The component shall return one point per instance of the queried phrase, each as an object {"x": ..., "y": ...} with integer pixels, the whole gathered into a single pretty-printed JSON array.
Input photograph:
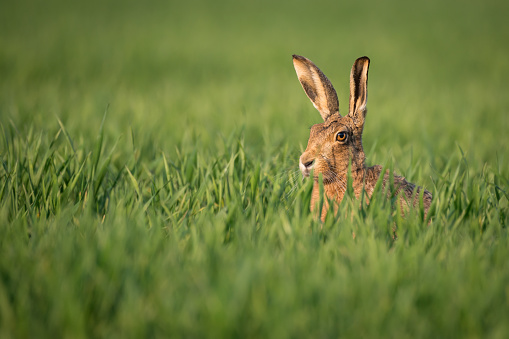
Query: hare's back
[{"x": 409, "y": 192}]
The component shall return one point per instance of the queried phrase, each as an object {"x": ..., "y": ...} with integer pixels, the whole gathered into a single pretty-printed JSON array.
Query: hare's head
[{"x": 338, "y": 140}]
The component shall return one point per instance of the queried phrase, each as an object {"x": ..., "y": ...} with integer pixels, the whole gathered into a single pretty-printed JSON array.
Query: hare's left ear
[
  {"x": 317, "y": 87},
  {"x": 359, "y": 91}
]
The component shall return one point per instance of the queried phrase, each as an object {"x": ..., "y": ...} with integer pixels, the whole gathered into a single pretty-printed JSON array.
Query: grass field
[{"x": 149, "y": 170}]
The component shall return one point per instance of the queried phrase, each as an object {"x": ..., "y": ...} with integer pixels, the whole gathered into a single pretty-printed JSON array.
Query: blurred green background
[
  {"x": 207, "y": 67},
  {"x": 185, "y": 216}
]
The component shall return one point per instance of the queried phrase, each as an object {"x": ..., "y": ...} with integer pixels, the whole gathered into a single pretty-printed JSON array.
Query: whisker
[{"x": 284, "y": 173}]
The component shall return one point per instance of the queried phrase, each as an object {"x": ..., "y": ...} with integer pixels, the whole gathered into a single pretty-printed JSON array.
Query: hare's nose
[
  {"x": 309, "y": 163},
  {"x": 305, "y": 165}
]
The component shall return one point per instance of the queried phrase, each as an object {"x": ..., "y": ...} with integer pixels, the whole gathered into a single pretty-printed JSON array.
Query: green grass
[{"x": 149, "y": 176}]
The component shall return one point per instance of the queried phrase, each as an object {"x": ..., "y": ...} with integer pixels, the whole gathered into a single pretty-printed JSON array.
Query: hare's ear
[
  {"x": 359, "y": 90},
  {"x": 317, "y": 87}
]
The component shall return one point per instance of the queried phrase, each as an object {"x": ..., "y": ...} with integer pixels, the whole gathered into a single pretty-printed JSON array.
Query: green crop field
[{"x": 149, "y": 182}]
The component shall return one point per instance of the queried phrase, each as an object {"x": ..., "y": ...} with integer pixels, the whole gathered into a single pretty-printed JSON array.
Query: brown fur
[{"x": 331, "y": 157}]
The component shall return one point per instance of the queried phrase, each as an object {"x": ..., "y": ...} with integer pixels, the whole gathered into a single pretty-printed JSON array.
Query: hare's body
[{"x": 337, "y": 142}]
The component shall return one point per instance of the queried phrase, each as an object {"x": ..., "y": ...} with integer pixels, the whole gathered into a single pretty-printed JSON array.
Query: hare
[{"x": 337, "y": 142}]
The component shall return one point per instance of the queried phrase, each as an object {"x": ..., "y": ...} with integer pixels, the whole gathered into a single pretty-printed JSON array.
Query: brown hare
[{"x": 337, "y": 142}]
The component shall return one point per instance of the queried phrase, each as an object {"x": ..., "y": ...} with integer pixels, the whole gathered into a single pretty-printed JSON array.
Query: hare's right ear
[
  {"x": 317, "y": 87},
  {"x": 359, "y": 90}
]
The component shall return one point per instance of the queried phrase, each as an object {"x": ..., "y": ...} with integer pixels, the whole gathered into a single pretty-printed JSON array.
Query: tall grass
[
  {"x": 149, "y": 182},
  {"x": 223, "y": 245}
]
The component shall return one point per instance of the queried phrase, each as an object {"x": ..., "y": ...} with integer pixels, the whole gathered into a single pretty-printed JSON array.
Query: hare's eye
[{"x": 341, "y": 136}]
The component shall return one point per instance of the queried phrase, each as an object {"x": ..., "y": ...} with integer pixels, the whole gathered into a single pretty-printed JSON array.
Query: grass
[{"x": 150, "y": 185}]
